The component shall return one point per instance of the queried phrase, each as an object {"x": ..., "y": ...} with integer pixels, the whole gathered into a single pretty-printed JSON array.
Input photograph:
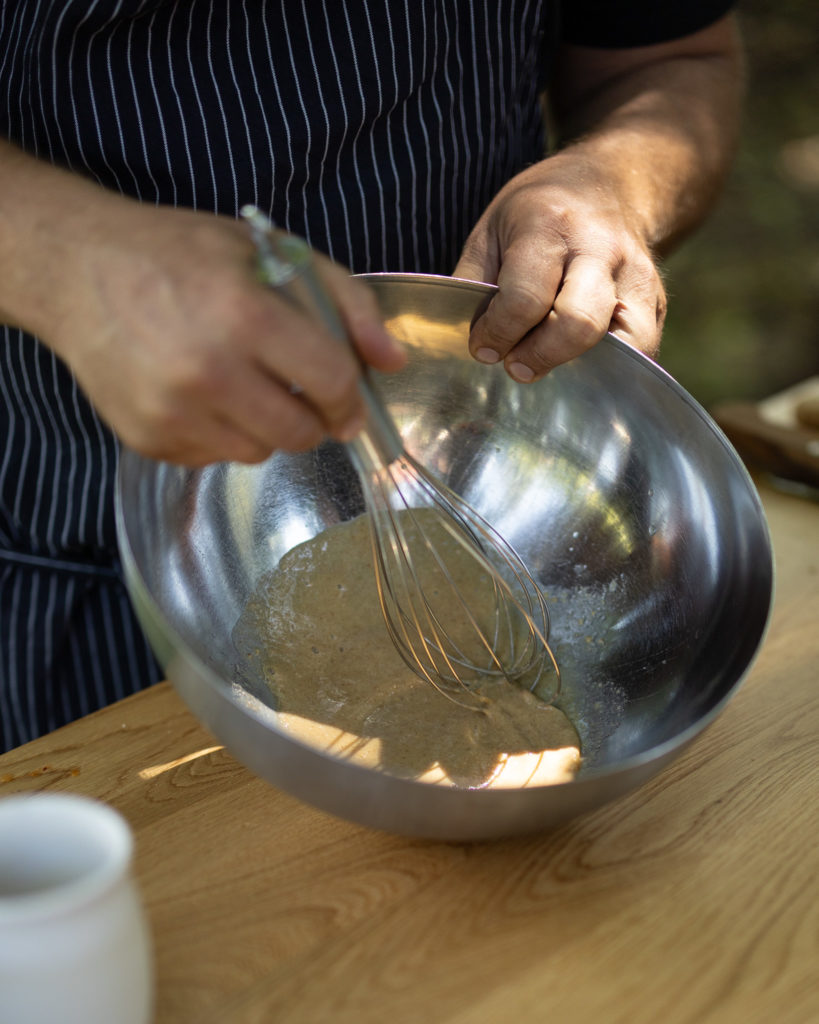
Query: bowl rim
[{"x": 226, "y": 688}]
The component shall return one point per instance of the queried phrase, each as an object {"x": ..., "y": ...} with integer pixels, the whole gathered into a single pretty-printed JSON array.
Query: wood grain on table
[{"x": 692, "y": 900}]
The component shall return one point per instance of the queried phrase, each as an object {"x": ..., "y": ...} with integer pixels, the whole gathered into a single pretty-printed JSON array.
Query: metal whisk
[{"x": 429, "y": 545}]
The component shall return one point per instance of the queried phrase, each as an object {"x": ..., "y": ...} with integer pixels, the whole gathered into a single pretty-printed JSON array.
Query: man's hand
[
  {"x": 160, "y": 314},
  {"x": 191, "y": 359},
  {"x": 571, "y": 241},
  {"x": 570, "y": 264}
]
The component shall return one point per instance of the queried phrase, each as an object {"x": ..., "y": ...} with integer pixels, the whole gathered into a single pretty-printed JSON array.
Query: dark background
[{"x": 743, "y": 319}]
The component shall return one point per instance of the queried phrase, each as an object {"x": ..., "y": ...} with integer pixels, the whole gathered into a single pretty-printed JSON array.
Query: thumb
[{"x": 479, "y": 260}]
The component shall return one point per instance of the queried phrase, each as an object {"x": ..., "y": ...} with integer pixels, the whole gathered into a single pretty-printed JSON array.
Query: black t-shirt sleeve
[{"x": 612, "y": 24}]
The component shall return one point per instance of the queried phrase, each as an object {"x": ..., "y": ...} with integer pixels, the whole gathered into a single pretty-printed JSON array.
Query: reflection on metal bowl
[{"x": 624, "y": 498}]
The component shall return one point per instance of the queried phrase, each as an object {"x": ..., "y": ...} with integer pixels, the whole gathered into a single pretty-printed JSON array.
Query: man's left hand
[{"x": 569, "y": 264}]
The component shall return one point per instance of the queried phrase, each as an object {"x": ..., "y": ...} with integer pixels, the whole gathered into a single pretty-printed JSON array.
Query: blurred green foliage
[{"x": 743, "y": 316}]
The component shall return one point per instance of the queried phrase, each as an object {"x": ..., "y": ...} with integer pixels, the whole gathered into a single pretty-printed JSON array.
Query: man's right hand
[{"x": 182, "y": 350}]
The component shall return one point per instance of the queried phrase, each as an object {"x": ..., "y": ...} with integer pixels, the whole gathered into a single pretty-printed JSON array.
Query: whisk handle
[{"x": 286, "y": 264}]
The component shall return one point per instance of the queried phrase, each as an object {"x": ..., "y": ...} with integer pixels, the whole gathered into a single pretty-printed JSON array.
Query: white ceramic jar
[{"x": 74, "y": 941}]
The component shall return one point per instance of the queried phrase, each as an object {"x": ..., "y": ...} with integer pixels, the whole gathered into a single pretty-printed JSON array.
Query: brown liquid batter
[{"x": 314, "y": 632}]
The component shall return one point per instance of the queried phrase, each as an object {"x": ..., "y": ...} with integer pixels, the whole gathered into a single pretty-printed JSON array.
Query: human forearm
[
  {"x": 160, "y": 314},
  {"x": 572, "y": 241},
  {"x": 659, "y": 123},
  {"x": 42, "y": 208}
]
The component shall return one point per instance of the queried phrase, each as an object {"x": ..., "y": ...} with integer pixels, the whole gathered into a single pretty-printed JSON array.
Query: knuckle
[
  {"x": 660, "y": 309},
  {"x": 526, "y": 302},
  {"x": 339, "y": 393},
  {"x": 554, "y": 219},
  {"x": 515, "y": 311},
  {"x": 189, "y": 374},
  {"x": 584, "y": 325}
]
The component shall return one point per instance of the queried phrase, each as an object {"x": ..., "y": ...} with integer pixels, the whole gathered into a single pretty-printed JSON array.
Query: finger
[
  {"x": 361, "y": 316},
  {"x": 638, "y": 319},
  {"x": 522, "y": 301},
  {"x": 231, "y": 409},
  {"x": 295, "y": 350},
  {"x": 323, "y": 367},
  {"x": 267, "y": 411},
  {"x": 579, "y": 318},
  {"x": 479, "y": 261},
  {"x": 190, "y": 439},
  {"x": 216, "y": 441}
]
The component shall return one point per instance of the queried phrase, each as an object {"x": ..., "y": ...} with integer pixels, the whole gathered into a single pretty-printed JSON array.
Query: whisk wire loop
[
  {"x": 414, "y": 626},
  {"x": 421, "y": 530},
  {"x": 412, "y": 518}
]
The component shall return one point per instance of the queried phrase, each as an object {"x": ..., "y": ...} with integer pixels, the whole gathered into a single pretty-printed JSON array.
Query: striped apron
[{"x": 378, "y": 130}]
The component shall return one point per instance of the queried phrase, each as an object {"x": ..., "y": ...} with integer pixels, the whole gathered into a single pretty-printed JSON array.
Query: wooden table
[{"x": 693, "y": 900}]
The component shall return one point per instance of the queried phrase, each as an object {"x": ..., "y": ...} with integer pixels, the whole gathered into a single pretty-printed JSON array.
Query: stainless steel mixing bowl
[{"x": 625, "y": 499}]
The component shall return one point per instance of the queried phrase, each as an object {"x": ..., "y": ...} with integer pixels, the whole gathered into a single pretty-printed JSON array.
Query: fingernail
[
  {"x": 521, "y": 372},
  {"x": 487, "y": 355}
]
